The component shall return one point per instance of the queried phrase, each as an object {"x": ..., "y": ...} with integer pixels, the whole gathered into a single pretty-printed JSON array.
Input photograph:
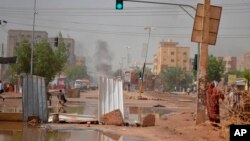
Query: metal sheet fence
[
  {"x": 110, "y": 96},
  {"x": 34, "y": 98}
]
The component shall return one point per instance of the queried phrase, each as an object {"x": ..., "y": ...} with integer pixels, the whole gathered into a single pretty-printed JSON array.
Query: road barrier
[
  {"x": 110, "y": 96},
  {"x": 34, "y": 98}
]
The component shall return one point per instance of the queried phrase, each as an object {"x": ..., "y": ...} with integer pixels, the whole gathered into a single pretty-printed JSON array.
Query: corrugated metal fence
[
  {"x": 34, "y": 98},
  {"x": 110, "y": 96}
]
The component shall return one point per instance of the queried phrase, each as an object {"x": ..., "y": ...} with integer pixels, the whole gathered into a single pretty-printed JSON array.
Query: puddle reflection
[
  {"x": 42, "y": 134},
  {"x": 137, "y": 113}
]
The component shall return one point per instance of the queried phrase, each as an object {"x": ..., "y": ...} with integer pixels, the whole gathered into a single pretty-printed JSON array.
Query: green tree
[
  {"x": 175, "y": 77},
  {"x": 215, "y": 69},
  {"x": 47, "y": 62},
  {"x": 74, "y": 72},
  {"x": 246, "y": 75}
]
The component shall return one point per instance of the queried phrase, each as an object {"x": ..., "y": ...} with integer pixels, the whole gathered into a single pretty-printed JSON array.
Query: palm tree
[{"x": 246, "y": 74}]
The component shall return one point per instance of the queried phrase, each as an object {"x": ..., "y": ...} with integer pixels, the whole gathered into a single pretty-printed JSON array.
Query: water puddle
[
  {"x": 42, "y": 134},
  {"x": 133, "y": 114}
]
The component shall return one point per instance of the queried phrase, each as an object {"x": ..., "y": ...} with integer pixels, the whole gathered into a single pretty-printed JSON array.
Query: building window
[
  {"x": 184, "y": 53},
  {"x": 172, "y": 53},
  {"x": 172, "y": 60},
  {"x": 184, "y": 61}
]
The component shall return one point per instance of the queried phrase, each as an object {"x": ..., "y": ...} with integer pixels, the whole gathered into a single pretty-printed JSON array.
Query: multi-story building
[
  {"x": 246, "y": 61},
  {"x": 16, "y": 36},
  {"x": 230, "y": 63},
  {"x": 171, "y": 55},
  {"x": 240, "y": 63}
]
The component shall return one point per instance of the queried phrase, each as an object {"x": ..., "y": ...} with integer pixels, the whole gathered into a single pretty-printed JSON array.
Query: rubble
[
  {"x": 148, "y": 120},
  {"x": 113, "y": 118}
]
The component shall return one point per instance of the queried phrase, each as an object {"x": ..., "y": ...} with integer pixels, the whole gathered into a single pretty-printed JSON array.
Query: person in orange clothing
[
  {"x": 10, "y": 88},
  {"x": 213, "y": 95}
]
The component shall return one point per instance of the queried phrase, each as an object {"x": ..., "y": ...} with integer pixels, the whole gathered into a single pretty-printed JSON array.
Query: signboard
[
  {"x": 215, "y": 14},
  {"x": 8, "y": 60}
]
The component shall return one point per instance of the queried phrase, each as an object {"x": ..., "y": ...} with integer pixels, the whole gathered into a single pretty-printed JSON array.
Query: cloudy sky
[{"x": 89, "y": 21}]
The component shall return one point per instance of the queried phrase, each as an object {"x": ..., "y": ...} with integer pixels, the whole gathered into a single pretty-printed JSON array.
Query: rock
[
  {"x": 113, "y": 118},
  {"x": 33, "y": 120},
  {"x": 148, "y": 120},
  {"x": 55, "y": 118}
]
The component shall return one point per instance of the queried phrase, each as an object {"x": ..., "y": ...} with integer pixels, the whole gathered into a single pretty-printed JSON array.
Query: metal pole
[
  {"x": 165, "y": 3},
  {"x": 33, "y": 42},
  {"x": 2, "y": 64},
  {"x": 145, "y": 61},
  {"x": 127, "y": 56}
]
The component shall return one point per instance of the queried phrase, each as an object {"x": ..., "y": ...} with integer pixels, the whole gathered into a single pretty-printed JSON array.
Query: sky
[{"x": 90, "y": 21}]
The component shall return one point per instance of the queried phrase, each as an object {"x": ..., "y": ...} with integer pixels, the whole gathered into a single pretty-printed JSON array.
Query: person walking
[
  {"x": 61, "y": 98},
  {"x": 1, "y": 87},
  {"x": 213, "y": 95}
]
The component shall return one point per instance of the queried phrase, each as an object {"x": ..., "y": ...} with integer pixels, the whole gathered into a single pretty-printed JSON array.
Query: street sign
[{"x": 214, "y": 21}]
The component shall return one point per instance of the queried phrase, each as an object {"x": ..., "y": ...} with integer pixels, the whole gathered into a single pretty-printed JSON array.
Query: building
[
  {"x": 246, "y": 61},
  {"x": 16, "y": 36},
  {"x": 240, "y": 63},
  {"x": 230, "y": 63},
  {"x": 169, "y": 54}
]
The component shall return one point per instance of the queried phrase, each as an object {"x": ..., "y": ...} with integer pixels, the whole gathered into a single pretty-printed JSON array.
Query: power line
[
  {"x": 128, "y": 33},
  {"x": 123, "y": 25}
]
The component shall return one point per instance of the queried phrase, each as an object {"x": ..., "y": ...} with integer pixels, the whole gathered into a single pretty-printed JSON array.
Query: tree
[
  {"x": 47, "y": 62},
  {"x": 74, "y": 72},
  {"x": 175, "y": 77},
  {"x": 246, "y": 75},
  {"x": 215, "y": 69}
]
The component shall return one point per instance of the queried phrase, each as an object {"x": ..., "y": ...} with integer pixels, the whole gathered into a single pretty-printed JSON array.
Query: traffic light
[
  {"x": 119, "y": 4},
  {"x": 195, "y": 64},
  {"x": 140, "y": 76},
  {"x": 56, "y": 41}
]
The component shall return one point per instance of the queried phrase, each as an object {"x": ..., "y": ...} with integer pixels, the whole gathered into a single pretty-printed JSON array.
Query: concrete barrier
[{"x": 110, "y": 96}]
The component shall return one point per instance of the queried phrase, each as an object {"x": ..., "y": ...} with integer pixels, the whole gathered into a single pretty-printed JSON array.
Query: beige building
[
  {"x": 247, "y": 61},
  {"x": 16, "y": 36},
  {"x": 230, "y": 63},
  {"x": 169, "y": 54}
]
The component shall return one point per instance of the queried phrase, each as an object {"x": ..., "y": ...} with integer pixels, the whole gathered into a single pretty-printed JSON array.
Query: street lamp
[
  {"x": 33, "y": 38},
  {"x": 128, "y": 60},
  {"x": 149, "y": 28}
]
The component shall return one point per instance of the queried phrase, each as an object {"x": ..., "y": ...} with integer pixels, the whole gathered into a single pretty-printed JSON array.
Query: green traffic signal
[{"x": 119, "y": 4}]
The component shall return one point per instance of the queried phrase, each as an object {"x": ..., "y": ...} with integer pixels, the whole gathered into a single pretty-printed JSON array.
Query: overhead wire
[{"x": 127, "y": 33}]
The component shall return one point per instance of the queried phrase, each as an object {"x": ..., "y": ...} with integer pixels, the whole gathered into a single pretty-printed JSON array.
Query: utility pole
[
  {"x": 33, "y": 39},
  {"x": 203, "y": 62},
  {"x": 2, "y": 64}
]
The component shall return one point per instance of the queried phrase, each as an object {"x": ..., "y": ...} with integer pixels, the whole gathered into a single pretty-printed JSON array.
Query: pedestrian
[
  {"x": 233, "y": 98},
  {"x": 188, "y": 91},
  {"x": 1, "y": 87},
  {"x": 49, "y": 97},
  {"x": 61, "y": 98},
  {"x": 213, "y": 95}
]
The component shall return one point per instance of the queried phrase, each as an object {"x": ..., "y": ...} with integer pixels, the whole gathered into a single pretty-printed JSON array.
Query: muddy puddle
[
  {"x": 133, "y": 114},
  {"x": 41, "y": 134}
]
